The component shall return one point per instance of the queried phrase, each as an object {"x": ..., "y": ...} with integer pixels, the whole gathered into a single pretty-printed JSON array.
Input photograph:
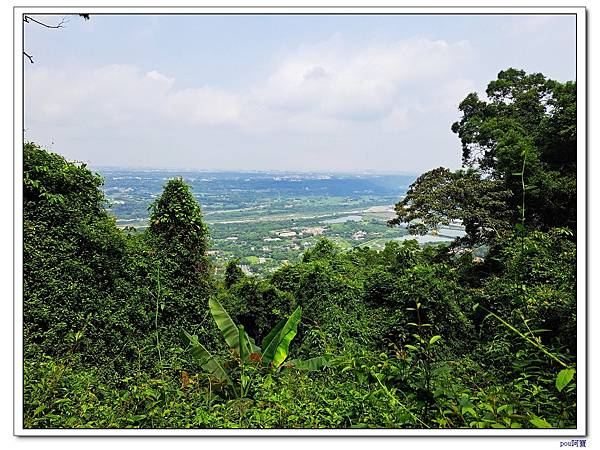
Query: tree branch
[
  {"x": 63, "y": 21},
  {"x": 60, "y": 24}
]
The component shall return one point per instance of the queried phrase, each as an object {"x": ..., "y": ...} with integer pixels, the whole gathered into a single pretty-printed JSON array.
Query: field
[{"x": 269, "y": 219}]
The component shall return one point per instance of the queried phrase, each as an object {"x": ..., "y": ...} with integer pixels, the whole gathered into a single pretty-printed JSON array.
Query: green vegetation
[{"x": 136, "y": 329}]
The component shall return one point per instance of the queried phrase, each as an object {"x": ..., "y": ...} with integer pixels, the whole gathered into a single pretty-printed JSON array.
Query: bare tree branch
[
  {"x": 63, "y": 21},
  {"x": 27, "y": 19}
]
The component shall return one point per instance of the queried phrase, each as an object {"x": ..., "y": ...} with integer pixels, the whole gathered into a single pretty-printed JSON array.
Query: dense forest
[{"x": 132, "y": 329}]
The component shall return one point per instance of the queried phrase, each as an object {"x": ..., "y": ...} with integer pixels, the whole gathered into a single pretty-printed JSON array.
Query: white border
[{"x": 582, "y": 388}]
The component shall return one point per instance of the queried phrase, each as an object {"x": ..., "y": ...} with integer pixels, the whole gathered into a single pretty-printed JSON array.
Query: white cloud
[
  {"x": 398, "y": 119},
  {"x": 323, "y": 87},
  {"x": 110, "y": 95},
  {"x": 206, "y": 105},
  {"x": 330, "y": 84},
  {"x": 157, "y": 76}
]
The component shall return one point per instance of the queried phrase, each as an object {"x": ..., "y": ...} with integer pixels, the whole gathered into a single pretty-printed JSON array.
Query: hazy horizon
[{"x": 265, "y": 170}]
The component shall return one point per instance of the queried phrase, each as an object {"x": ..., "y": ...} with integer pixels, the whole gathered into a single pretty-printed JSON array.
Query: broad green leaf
[
  {"x": 563, "y": 378},
  {"x": 434, "y": 339},
  {"x": 227, "y": 326},
  {"x": 538, "y": 422},
  {"x": 253, "y": 347},
  {"x": 277, "y": 349},
  {"x": 418, "y": 338},
  {"x": 274, "y": 332},
  {"x": 204, "y": 358},
  {"x": 281, "y": 351},
  {"x": 311, "y": 364},
  {"x": 244, "y": 344}
]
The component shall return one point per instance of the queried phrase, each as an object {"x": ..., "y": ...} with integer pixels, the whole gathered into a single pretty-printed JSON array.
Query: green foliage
[
  {"x": 256, "y": 304},
  {"x": 208, "y": 362},
  {"x": 529, "y": 287},
  {"x": 526, "y": 111},
  {"x": 444, "y": 305},
  {"x": 247, "y": 356},
  {"x": 563, "y": 378},
  {"x": 233, "y": 273},
  {"x": 176, "y": 221},
  {"x": 440, "y": 196},
  {"x": 526, "y": 114},
  {"x": 72, "y": 261},
  {"x": 176, "y": 241},
  {"x": 405, "y": 337}
]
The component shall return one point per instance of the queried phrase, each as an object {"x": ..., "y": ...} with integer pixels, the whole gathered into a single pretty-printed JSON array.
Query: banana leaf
[
  {"x": 281, "y": 352},
  {"x": 277, "y": 349},
  {"x": 311, "y": 364},
  {"x": 253, "y": 347},
  {"x": 274, "y": 332},
  {"x": 244, "y": 344},
  {"x": 204, "y": 358},
  {"x": 228, "y": 328}
]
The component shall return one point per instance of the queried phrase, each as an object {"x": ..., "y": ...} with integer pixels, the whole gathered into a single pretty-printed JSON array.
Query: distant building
[
  {"x": 315, "y": 231},
  {"x": 359, "y": 235}
]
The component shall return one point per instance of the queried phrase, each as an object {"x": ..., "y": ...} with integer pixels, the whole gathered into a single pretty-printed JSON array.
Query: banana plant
[{"x": 274, "y": 351}]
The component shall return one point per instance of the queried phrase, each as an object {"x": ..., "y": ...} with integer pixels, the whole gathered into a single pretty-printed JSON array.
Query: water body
[
  {"x": 444, "y": 234},
  {"x": 343, "y": 219}
]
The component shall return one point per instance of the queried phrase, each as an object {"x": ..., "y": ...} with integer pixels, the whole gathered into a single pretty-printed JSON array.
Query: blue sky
[{"x": 347, "y": 93}]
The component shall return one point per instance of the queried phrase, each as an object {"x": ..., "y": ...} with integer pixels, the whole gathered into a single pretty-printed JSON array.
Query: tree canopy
[{"x": 519, "y": 146}]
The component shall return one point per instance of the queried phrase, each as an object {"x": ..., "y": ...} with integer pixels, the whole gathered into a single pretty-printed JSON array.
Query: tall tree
[
  {"x": 176, "y": 224},
  {"x": 518, "y": 148},
  {"x": 440, "y": 196},
  {"x": 180, "y": 278},
  {"x": 528, "y": 125}
]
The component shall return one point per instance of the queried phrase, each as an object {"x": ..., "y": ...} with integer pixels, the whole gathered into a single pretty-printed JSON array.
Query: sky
[{"x": 348, "y": 93}]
